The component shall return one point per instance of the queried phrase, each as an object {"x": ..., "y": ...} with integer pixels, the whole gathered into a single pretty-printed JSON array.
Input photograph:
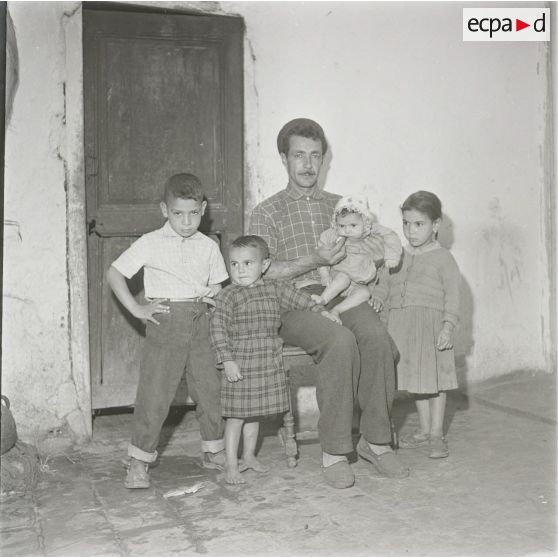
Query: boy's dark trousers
[{"x": 179, "y": 343}]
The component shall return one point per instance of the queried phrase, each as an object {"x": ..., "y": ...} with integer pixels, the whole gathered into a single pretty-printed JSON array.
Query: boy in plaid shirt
[
  {"x": 183, "y": 269},
  {"x": 244, "y": 333}
]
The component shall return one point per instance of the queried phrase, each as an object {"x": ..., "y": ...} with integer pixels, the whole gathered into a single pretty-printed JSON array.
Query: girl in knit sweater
[{"x": 422, "y": 298}]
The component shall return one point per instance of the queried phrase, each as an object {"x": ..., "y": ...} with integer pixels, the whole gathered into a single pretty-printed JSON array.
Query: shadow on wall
[
  {"x": 322, "y": 177},
  {"x": 464, "y": 342}
]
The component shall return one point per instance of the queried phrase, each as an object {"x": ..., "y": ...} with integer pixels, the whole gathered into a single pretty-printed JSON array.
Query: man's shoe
[
  {"x": 339, "y": 475},
  {"x": 138, "y": 475},
  {"x": 386, "y": 463}
]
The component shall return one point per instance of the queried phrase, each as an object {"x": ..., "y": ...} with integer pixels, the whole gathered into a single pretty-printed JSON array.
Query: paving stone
[
  {"x": 19, "y": 541},
  {"x": 241, "y": 542},
  {"x": 86, "y": 533},
  {"x": 160, "y": 540},
  {"x": 495, "y": 494},
  {"x": 16, "y": 512}
]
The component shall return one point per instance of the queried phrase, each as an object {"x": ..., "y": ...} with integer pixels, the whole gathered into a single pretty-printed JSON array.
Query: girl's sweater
[{"x": 430, "y": 279}]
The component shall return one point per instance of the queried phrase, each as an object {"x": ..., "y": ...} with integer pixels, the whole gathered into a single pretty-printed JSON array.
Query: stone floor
[{"x": 494, "y": 495}]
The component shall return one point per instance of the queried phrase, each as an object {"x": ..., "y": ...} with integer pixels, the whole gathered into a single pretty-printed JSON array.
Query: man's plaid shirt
[{"x": 291, "y": 223}]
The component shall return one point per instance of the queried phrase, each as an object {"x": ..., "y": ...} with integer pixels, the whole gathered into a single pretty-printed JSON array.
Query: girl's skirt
[{"x": 422, "y": 368}]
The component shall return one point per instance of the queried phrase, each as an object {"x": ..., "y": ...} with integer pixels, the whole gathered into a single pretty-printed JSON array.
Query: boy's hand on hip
[
  {"x": 232, "y": 371},
  {"x": 145, "y": 312}
]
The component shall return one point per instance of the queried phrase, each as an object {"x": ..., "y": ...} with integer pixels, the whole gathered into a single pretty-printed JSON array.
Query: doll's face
[
  {"x": 350, "y": 225},
  {"x": 247, "y": 265}
]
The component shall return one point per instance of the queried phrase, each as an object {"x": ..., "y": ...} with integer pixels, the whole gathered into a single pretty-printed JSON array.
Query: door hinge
[
  {"x": 91, "y": 167},
  {"x": 91, "y": 226}
]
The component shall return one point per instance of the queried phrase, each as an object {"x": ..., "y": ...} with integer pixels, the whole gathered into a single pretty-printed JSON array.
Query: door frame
[{"x": 76, "y": 232}]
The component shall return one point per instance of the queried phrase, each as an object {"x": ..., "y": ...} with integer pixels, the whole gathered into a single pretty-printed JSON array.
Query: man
[{"x": 359, "y": 355}]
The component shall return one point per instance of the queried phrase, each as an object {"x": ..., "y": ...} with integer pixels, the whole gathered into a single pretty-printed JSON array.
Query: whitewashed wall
[
  {"x": 38, "y": 375},
  {"x": 405, "y": 104}
]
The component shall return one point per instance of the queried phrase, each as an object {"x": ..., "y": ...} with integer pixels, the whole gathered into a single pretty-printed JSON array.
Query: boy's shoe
[
  {"x": 438, "y": 447},
  {"x": 414, "y": 440},
  {"x": 138, "y": 475},
  {"x": 214, "y": 460},
  {"x": 125, "y": 461},
  {"x": 386, "y": 463}
]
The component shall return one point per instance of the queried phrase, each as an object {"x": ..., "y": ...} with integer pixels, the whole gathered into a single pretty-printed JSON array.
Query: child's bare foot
[
  {"x": 318, "y": 299},
  {"x": 335, "y": 315},
  {"x": 232, "y": 475},
  {"x": 252, "y": 463}
]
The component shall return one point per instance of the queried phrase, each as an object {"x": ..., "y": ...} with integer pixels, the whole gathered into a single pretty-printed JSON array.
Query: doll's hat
[{"x": 354, "y": 205}]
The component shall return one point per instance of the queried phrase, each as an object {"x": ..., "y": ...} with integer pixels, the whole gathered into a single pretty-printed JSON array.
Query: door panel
[{"x": 163, "y": 94}]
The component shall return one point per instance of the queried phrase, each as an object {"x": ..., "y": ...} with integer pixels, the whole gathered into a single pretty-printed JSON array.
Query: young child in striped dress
[
  {"x": 244, "y": 332},
  {"x": 422, "y": 298}
]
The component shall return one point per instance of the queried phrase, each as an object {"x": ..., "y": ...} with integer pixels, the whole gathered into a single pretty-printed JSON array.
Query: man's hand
[
  {"x": 232, "y": 371},
  {"x": 330, "y": 254},
  {"x": 145, "y": 312},
  {"x": 377, "y": 304}
]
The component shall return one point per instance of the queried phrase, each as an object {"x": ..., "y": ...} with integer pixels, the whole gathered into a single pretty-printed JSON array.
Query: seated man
[{"x": 354, "y": 358}]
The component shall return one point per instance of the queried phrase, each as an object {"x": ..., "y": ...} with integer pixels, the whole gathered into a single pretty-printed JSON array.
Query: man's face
[
  {"x": 184, "y": 215},
  {"x": 303, "y": 162}
]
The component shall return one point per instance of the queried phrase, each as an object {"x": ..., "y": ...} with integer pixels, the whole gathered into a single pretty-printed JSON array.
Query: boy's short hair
[
  {"x": 185, "y": 186},
  {"x": 252, "y": 241},
  {"x": 300, "y": 127}
]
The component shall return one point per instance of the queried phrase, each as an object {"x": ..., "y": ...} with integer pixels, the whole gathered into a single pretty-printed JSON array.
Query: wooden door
[{"x": 162, "y": 94}]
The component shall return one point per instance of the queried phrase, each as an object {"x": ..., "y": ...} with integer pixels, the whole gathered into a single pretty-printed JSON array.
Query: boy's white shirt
[{"x": 174, "y": 267}]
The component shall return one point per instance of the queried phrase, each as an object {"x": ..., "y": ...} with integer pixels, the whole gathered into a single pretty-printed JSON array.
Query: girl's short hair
[
  {"x": 185, "y": 186},
  {"x": 252, "y": 241},
  {"x": 424, "y": 202},
  {"x": 303, "y": 127}
]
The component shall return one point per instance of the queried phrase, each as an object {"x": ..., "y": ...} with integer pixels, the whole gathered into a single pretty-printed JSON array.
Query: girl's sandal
[
  {"x": 438, "y": 448},
  {"x": 414, "y": 440}
]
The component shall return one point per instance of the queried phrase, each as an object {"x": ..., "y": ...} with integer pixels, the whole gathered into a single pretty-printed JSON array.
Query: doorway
[{"x": 163, "y": 93}]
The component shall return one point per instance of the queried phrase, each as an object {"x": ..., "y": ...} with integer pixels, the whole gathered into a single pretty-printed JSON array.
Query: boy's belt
[{"x": 195, "y": 300}]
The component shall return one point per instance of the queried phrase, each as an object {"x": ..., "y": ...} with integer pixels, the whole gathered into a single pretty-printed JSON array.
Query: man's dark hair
[
  {"x": 252, "y": 241},
  {"x": 300, "y": 127},
  {"x": 185, "y": 186}
]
